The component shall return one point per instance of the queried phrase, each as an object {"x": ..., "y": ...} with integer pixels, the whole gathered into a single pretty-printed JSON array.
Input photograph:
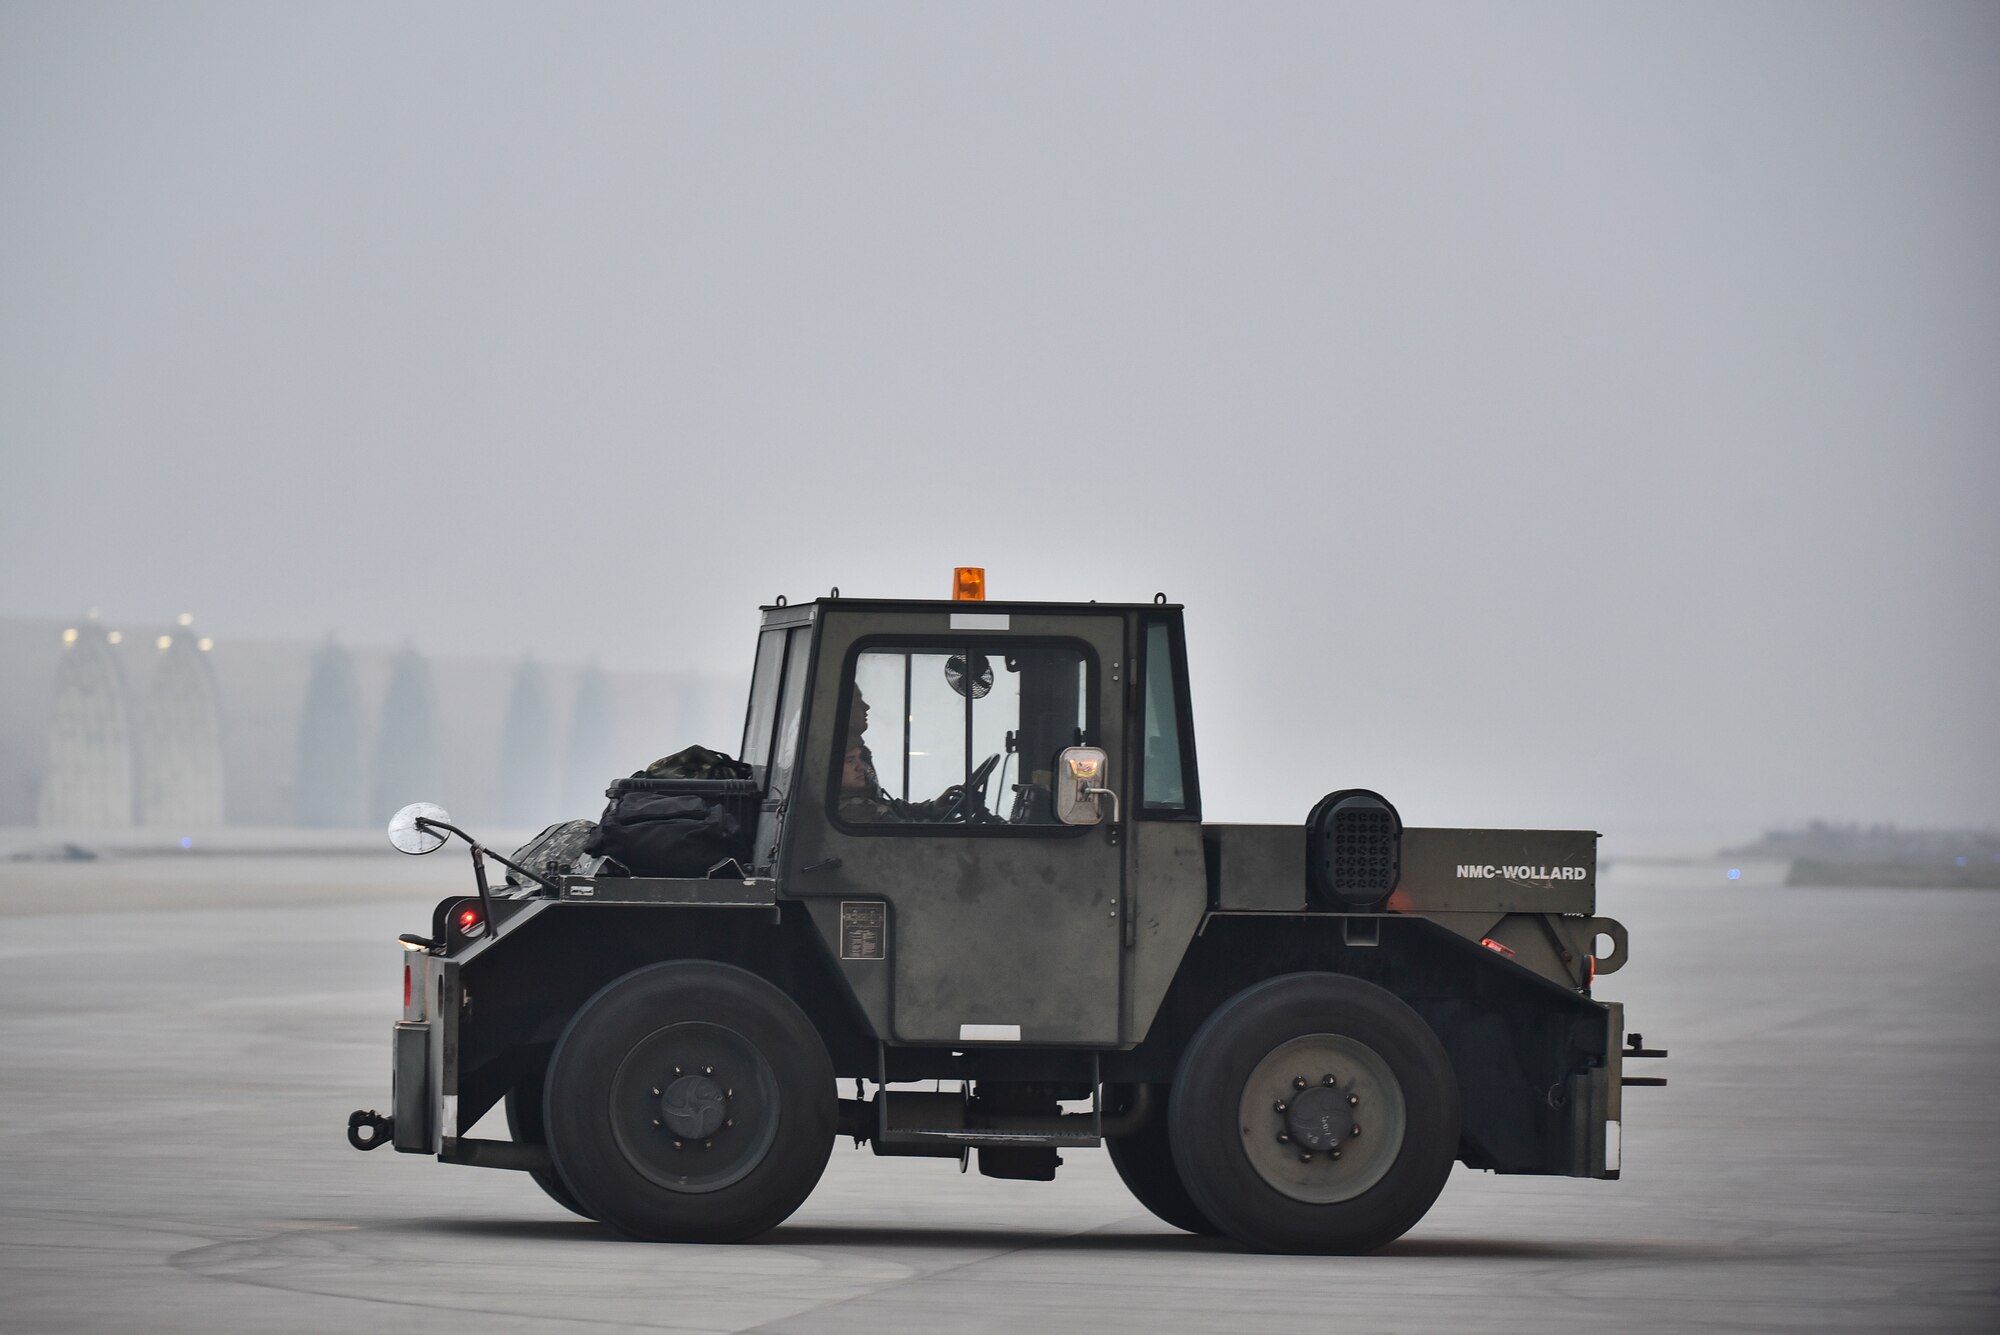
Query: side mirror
[
  {"x": 1080, "y": 775},
  {"x": 409, "y": 837}
]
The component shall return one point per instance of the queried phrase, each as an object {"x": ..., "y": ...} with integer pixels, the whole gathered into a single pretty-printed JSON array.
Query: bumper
[
  {"x": 416, "y": 1100},
  {"x": 1596, "y": 1105}
]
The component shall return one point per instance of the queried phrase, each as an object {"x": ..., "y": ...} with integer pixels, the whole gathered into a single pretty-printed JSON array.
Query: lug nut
[
  {"x": 1298, "y": 1082},
  {"x": 1284, "y": 1139},
  {"x": 708, "y": 1144},
  {"x": 728, "y": 1093},
  {"x": 1305, "y": 1158},
  {"x": 1353, "y": 1100},
  {"x": 729, "y": 1121},
  {"x": 1326, "y": 1080},
  {"x": 708, "y": 1070},
  {"x": 1333, "y": 1154},
  {"x": 656, "y": 1121},
  {"x": 1356, "y": 1131},
  {"x": 1279, "y": 1106},
  {"x": 677, "y": 1145},
  {"x": 677, "y": 1070}
]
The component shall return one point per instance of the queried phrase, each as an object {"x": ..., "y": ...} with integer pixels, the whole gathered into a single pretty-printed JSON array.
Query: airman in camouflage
[{"x": 863, "y": 802}]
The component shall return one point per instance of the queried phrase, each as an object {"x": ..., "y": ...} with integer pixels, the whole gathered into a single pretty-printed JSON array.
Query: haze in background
[{"x": 1564, "y": 415}]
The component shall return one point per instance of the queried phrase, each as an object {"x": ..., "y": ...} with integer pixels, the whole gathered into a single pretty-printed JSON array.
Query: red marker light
[
  {"x": 469, "y": 921},
  {"x": 406, "y": 987},
  {"x": 1495, "y": 946}
]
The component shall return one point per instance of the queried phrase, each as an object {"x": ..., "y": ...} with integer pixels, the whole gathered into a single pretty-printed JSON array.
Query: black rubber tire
[
  {"x": 1205, "y": 1115},
  {"x": 524, "y": 1124},
  {"x": 790, "y": 1136},
  {"x": 1145, "y": 1162}
]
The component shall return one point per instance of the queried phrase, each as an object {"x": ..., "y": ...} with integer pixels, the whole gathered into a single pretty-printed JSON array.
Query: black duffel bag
[{"x": 665, "y": 834}]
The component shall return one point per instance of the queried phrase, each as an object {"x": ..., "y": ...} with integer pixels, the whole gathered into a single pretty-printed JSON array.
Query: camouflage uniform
[{"x": 863, "y": 807}]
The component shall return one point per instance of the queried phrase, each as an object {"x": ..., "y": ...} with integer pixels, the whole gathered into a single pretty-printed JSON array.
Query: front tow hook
[{"x": 367, "y": 1130}]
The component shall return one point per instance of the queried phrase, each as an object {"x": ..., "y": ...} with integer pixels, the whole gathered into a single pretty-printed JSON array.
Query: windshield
[{"x": 763, "y": 703}]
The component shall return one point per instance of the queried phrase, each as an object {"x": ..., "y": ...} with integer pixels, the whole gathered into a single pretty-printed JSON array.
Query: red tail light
[
  {"x": 406, "y": 987},
  {"x": 1495, "y": 946}
]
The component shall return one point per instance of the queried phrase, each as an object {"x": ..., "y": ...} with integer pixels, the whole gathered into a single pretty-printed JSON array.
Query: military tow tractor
[{"x": 975, "y": 862}]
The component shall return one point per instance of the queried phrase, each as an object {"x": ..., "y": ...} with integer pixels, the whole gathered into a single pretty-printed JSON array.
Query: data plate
[{"x": 864, "y": 929}]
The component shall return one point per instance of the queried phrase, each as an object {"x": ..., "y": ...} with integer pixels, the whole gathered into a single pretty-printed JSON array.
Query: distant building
[
  {"x": 527, "y": 756},
  {"x": 593, "y": 760},
  {"x": 406, "y": 768},
  {"x": 332, "y": 790},
  {"x": 181, "y": 768},
  {"x": 102, "y": 728},
  {"x": 87, "y": 776}
]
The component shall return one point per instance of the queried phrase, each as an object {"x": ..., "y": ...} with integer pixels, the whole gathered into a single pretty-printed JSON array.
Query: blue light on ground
[
  {"x": 186, "y": 842},
  {"x": 1735, "y": 873}
]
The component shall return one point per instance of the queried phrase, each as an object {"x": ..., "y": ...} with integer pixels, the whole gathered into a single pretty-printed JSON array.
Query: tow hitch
[{"x": 369, "y": 1130}]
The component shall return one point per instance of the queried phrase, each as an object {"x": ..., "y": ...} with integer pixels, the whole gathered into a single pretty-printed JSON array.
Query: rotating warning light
[{"x": 968, "y": 584}]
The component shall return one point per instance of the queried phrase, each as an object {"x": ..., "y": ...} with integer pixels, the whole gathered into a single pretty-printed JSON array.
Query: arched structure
[
  {"x": 181, "y": 778},
  {"x": 87, "y": 781},
  {"x": 331, "y": 790},
  {"x": 590, "y": 763},
  {"x": 527, "y": 769},
  {"x": 406, "y": 768}
]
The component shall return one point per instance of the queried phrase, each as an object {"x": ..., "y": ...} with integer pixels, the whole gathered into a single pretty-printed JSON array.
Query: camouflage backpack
[{"x": 695, "y": 762}]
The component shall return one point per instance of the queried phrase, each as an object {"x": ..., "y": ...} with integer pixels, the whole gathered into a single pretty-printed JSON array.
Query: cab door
[{"x": 967, "y": 912}]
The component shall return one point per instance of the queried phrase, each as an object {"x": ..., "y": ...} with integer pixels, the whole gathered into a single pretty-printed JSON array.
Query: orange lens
[{"x": 968, "y": 584}]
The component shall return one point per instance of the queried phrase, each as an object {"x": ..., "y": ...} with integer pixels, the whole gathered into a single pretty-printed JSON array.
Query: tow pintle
[{"x": 369, "y": 1130}]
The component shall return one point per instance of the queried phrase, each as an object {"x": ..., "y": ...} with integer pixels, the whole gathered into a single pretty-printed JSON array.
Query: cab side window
[
  {"x": 963, "y": 736},
  {"x": 1164, "y": 786}
]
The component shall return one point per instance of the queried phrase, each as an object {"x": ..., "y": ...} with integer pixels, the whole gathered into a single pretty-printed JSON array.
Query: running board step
[
  {"x": 923, "y": 1122},
  {"x": 992, "y": 1136}
]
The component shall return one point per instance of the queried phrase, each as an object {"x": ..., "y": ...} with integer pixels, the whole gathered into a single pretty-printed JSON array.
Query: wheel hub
[
  {"x": 1319, "y": 1119},
  {"x": 694, "y": 1107}
]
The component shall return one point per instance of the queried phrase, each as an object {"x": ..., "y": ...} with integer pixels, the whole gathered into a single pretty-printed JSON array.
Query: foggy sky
[{"x": 1582, "y": 415}]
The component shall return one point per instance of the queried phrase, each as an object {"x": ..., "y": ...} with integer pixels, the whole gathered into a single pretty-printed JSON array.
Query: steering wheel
[{"x": 972, "y": 797}]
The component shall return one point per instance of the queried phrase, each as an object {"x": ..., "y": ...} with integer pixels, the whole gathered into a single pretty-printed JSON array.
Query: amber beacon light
[{"x": 968, "y": 584}]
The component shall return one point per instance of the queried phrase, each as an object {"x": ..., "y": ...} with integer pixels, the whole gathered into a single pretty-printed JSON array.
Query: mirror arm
[
  {"x": 479, "y": 854},
  {"x": 1105, "y": 792},
  {"x": 485, "y": 895},
  {"x": 426, "y": 823}
]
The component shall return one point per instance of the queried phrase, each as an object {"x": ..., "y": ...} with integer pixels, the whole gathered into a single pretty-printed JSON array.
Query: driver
[{"x": 863, "y": 802}]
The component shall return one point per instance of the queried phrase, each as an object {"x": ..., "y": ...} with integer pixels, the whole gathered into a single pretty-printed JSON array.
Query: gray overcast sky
[{"x": 1578, "y": 414}]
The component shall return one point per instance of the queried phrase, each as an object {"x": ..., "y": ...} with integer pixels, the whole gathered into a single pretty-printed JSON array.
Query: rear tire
[
  {"x": 690, "y": 1102},
  {"x": 1145, "y": 1162},
  {"x": 1314, "y": 1113},
  {"x": 524, "y": 1124}
]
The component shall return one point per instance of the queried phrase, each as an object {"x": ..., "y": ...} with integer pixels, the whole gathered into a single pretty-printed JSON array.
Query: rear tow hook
[{"x": 368, "y": 1130}]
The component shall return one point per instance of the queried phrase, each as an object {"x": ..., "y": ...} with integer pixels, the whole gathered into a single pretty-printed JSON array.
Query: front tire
[
  {"x": 1314, "y": 1113},
  {"x": 690, "y": 1102}
]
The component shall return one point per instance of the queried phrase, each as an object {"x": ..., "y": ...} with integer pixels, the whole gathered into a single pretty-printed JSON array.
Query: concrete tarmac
[{"x": 174, "y": 1084}]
